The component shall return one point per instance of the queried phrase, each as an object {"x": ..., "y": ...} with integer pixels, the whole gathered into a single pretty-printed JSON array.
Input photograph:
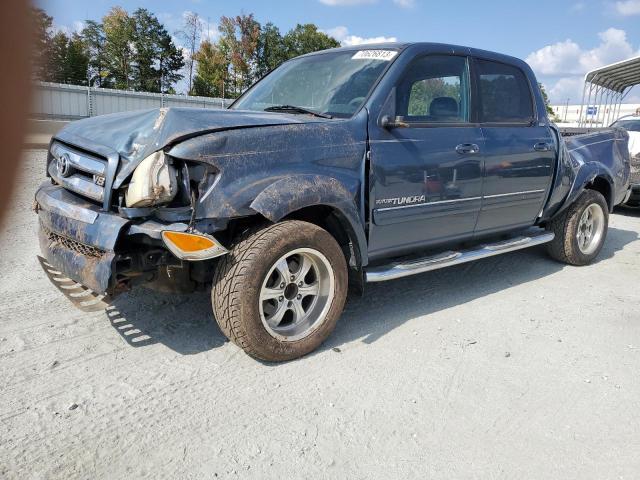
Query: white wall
[
  {"x": 570, "y": 114},
  {"x": 69, "y": 102}
]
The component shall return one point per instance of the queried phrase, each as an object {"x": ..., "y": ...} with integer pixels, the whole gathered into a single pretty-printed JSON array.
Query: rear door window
[{"x": 505, "y": 95}]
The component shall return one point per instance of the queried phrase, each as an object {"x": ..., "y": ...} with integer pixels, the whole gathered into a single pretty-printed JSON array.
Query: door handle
[
  {"x": 467, "y": 148},
  {"x": 542, "y": 147}
]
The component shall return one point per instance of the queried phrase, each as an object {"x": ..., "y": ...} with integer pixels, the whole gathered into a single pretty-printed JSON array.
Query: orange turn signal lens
[
  {"x": 192, "y": 246},
  {"x": 188, "y": 242}
]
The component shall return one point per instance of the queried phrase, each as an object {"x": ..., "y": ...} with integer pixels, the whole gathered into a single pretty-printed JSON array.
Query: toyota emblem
[{"x": 63, "y": 162}]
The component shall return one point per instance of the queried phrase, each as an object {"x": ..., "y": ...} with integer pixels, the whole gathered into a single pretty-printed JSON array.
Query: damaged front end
[
  {"x": 77, "y": 237},
  {"x": 145, "y": 231}
]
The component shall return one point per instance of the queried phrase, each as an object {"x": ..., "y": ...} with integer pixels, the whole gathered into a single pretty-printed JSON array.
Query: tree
[
  {"x": 41, "y": 37},
  {"x": 135, "y": 51},
  {"x": 157, "y": 61},
  {"x": 170, "y": 63},
  {"x": 239, "y": 43},
  {"x": 271, "y": 50},
  {"x": 119, "y": 33},
  {"x": 306, "y": 39},
  {"x": 68, "y": 60},
  {"x": 246, "y": 51},
  {"x": 95, "y": 44},
  {"x": 191, "y": 34},
  {"x": 545, "y": 98},
  {"x": 211, "y": 71},
  {"x": 145, "y": 43},
  {"x": 424, "y": 91},
  {"x": 57, "y": 58},
  {"x": 77, "y": 61}
]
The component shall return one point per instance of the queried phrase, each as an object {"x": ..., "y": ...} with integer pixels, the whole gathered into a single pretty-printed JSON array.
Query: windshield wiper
[{"x": 294, "y": 109}]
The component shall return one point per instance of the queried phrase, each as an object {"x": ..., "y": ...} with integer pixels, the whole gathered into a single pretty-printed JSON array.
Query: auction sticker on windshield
[{"x": 384, "y": 55}]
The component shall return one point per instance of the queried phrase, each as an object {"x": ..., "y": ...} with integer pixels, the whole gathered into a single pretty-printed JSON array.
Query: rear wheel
[
  {"x": 580, "y": 230},
  {"x": 280, "y": 291}
]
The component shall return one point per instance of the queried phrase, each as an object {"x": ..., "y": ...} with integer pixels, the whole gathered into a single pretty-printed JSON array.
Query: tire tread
[
  {"x": 231, "y": 275},
  {"x": 563, "y": 247}
]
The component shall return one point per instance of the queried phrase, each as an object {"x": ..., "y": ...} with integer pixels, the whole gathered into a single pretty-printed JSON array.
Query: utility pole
[{"x": 566, "y": 110}]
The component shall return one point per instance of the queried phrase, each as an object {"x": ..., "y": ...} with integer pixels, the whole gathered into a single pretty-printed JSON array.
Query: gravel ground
[{"x": 510, "y": 367}]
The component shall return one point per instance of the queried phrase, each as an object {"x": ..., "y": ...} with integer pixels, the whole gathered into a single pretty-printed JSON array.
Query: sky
[{"x": 560, "y": 39}]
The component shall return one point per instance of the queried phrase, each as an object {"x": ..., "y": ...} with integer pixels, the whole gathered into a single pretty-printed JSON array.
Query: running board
[{"x": 447, "y": 259}]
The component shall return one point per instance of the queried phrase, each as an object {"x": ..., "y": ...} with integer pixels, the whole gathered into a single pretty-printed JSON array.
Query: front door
[{"x": 426, "y": 172}]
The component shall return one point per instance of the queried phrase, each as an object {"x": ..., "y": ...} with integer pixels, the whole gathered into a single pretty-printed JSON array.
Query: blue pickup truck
[{"x": 342, "y": 167}]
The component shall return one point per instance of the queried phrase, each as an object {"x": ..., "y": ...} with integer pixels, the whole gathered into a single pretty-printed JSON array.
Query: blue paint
[{"x": 399, "y": 175}]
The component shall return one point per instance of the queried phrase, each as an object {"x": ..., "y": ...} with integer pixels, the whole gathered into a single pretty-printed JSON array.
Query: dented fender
[
  {"x": 585, "y": 176},
  {"x": 287, "y": 195},
  {"x": 582, "y": 159}
]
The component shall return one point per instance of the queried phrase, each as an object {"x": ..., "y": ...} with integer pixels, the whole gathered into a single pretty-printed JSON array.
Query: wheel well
[
  {"x": 331, "y": 220},
  {"x": 602, "y": 185},
  {"x": 325, "y": 217}
]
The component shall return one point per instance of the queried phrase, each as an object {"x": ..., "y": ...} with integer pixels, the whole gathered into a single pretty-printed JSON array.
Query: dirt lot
[{"x": 511, "y": 367}]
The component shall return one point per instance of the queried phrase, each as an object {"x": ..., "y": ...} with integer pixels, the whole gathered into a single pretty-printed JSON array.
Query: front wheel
[
  {"x": 580, "y": 231},
  {"x": 281, "y": 289}
]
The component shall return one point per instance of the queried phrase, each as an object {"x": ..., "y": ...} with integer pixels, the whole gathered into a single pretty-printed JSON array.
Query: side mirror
[
  {"x": 397, "y": 122},
  {"x": 388, "y": 118}
]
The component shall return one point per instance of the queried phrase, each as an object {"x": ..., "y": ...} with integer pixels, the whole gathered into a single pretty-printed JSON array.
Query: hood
[{"x": 136, "y": 135}]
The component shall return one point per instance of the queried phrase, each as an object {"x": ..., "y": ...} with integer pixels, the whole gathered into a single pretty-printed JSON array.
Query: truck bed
[{"x": 573, "y": 131}]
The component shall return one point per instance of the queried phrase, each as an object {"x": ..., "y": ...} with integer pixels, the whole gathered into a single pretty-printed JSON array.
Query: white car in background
[{"x": 631, "y": 124}]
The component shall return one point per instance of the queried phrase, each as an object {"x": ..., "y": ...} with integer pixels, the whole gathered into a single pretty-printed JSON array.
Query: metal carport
[{"x": 604, "y": 91}]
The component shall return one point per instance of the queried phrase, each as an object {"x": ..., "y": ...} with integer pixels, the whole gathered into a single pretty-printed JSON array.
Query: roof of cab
[
  {"x": 426, "y": 45},
  {"x": 367, "y": 46}
]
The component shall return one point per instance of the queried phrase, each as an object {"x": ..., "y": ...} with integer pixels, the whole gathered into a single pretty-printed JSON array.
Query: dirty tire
[
  {"x": 564, "y": 246},
  {"x": 239, "y": 277}
]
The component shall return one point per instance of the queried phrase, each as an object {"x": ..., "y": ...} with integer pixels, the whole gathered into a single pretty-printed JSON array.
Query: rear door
[
  {"x": 519, "y": 151},
  {"x": 426, "y": 176}
]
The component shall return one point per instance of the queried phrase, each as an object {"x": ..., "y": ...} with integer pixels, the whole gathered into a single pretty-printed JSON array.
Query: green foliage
[
  {"x": 545, "y": 97},
  {"x": 136, "y": 52},
  {"x": 306, "y": 39},
  {"x": 246, "y": 51},
  {"x": 157, "y": 60},
  {"x": 41, "y": 38},
  {"x": 211, "y": 71},
  {"x": 77, "y": 61},
  {"x": 119, "y": 30},
  {"x": 57, "y": 58},
  {"x": 170, "y": 63},
  {"x": 95, "y": 45},
  {"x": 423, "y": 93},
  {"x": 271, "y": 50},
  {"x": 239, "y": 38},
  {"x": 67, "y": 60}
]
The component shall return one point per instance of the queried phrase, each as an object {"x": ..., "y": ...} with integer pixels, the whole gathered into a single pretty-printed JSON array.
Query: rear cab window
[{"x": 505, "y": 94}]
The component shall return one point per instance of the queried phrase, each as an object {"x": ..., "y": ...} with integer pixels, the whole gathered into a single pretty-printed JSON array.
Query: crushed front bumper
[
  {"x": 77, "y": 237},
  {"x": 110, "y": 253}
]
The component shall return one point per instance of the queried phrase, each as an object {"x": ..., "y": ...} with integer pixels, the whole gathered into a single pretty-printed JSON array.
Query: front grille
[
  {"x": 66, "y": 242},
  {"x": 78, "y": 171}
]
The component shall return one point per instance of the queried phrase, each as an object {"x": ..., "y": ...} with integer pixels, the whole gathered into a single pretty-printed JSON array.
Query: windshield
[
  {"x": 335, "y": 83},
  {"x": 630, "y": 125}
]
